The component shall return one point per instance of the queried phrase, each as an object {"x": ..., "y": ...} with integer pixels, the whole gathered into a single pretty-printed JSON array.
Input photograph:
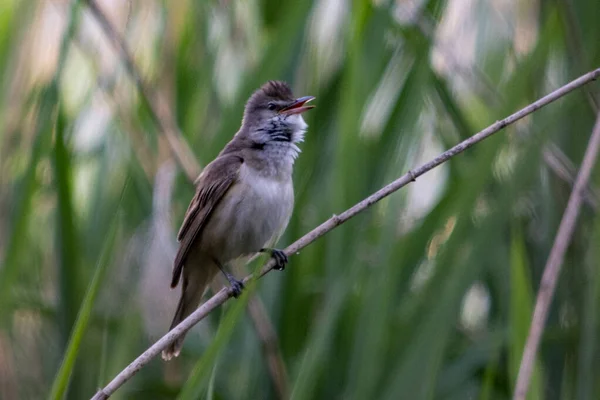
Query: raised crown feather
[{"x": 277, "y": 89}]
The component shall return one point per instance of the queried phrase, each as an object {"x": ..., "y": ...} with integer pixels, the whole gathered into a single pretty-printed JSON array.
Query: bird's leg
[
  {"x": 280, "y": 257},
  {"x": 236, "y": 285}
]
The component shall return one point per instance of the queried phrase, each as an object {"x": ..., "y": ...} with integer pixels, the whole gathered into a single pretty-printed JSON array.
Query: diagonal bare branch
[
  {"x": 224, "y": 294},
  {"x": 554, "y": 263}
]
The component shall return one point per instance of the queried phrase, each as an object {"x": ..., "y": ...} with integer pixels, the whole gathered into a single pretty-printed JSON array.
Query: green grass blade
[
  {"x": 61, "y": 381},
  {"x": 29, "y": 184},
  {"x": 66, "y": 237},
  {"x": 587, "y": 368},
  {"x": 48, "y": 100},
  {"x": 521, "y": 307}
]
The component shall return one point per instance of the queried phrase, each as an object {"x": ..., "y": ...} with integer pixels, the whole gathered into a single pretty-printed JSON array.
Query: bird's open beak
[{"x": 298, "y": 106}]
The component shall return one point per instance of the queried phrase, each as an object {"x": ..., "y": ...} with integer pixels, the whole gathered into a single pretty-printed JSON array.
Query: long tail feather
[{"x": 194, "y": 285}]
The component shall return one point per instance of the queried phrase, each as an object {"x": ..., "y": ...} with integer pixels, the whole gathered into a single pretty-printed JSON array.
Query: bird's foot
[
  {"x": 236, "y": 285},
  {"x": 281, "y": 259}
]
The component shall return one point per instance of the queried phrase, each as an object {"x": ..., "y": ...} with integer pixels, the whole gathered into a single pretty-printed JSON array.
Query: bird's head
[{"x": 273, "y": 114}]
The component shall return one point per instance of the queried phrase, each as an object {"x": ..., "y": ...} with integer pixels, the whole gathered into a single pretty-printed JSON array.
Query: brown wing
[{"x": 214, "y": 182}]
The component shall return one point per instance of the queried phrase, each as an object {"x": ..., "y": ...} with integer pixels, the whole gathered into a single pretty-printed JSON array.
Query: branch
[
  {"x": 224, "y": 294},
  {"x": 554, "y": 263}
]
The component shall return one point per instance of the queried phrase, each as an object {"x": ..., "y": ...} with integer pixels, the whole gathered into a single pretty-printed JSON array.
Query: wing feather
[{"x": 214, "y": 182}]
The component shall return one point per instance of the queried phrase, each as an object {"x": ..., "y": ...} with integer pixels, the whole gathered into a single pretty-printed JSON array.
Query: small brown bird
[{"x": 244, "y": 198}]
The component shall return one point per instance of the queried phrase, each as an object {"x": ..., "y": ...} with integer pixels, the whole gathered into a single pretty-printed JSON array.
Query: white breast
[
  {"x": 267, "y": 189},
  {"x": 270, "y": 202},
  {"x": 253, "y": 214}
]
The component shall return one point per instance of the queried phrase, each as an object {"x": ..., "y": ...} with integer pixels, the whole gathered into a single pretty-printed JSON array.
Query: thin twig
[
  {"x": 224, "y": 294},
  {"x": 554, "y": 263}
]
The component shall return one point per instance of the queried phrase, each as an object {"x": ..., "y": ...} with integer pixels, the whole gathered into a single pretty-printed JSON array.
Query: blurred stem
[
  {"x": 159, "y": 110},
  {"x": 575, "y": 47},
  {"x": 554, "y": 263},
  {"x": 48, "y": 100},
  {"x": 61, "y": 382},
  {"x": 588, "y": 343},
  {"x": 563, "y": 167},
  {"x": 66, "y": 237},
  {"x": 270, "y": 342},
  {"x": 195, "y": 382},
  {"x": 224, "y": 294},
  {"x": 68, "y": 35},
  {"x": 138, "y": 141},
  {"x": 211, "y": 383},
  {"x": 521, "y": 304}
]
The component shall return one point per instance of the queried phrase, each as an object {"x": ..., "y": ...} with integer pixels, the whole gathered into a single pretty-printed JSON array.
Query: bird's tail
[{"x": 195, "y": 282}]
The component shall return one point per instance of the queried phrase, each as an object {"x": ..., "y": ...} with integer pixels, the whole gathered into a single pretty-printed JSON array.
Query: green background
[{"x": 427, "y": 295}]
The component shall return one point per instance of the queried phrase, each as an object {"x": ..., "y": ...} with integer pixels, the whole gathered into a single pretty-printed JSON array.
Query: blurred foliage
[{"x": 427, "y": 295}]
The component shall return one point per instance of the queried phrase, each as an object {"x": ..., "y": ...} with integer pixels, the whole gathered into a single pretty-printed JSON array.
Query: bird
[{"x": 244, "y": 198}]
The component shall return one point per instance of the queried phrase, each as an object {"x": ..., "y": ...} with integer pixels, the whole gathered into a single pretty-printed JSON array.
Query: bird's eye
[{"x": 271, "y": 106}]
